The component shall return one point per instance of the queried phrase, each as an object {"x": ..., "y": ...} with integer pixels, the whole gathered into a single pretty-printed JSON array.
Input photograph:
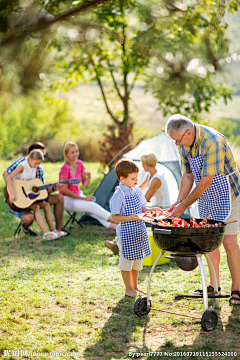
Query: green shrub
[{"x": 26, "y": 120}]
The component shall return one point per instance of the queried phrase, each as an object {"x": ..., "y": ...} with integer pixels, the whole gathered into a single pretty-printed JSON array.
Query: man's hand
[
  {"x": 178, "y": 209},
  {"x": 172, "y": 207}
]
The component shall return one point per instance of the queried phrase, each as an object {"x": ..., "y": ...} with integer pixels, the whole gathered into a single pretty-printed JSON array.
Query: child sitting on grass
[
  {"x": 26, "y": 170},
  {"x": 126, "y": 204}
]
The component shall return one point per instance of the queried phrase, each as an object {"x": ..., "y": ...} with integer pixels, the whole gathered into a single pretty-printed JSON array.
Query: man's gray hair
[{"x": 178, "y": 123}]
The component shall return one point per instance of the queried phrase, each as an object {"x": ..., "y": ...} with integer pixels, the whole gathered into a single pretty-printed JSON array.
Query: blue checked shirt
[{"x": 14, "y": 165}]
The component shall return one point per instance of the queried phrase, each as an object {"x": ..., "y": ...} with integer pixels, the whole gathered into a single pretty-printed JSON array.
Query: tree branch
[
  {"x": 114, "y": 80},
  {"x": 125, "y": 72},
  {"x": 115, "y": 119},
  {"x": 44, "y": 23},
  {"x": 133, "y": 82}
]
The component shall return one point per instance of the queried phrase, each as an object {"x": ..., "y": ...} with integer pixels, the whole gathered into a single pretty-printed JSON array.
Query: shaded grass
[{"x": 67, "y": 295}]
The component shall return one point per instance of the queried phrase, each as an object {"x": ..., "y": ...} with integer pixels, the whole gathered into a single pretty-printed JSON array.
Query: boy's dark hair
[
  {"x": 125, "y": 167},
  {"x": 36, "y": 145}
]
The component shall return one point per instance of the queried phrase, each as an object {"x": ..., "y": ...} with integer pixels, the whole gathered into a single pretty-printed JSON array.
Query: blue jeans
[{"x": 16, "y": 213}]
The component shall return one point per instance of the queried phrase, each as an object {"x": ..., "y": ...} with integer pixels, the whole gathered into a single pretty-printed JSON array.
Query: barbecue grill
[{"x": 187, "y": 245}]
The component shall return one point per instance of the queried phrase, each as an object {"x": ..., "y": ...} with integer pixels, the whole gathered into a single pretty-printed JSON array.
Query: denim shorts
[{"x": 16, "y": 213}]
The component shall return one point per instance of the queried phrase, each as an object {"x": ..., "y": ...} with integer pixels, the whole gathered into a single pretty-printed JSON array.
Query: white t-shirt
[
  {"x": 28, "y": 172},
  {"x": 161, "y": 197}
]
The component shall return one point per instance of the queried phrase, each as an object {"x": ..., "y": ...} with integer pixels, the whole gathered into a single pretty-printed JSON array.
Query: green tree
[
  {"x": 190, "y": 51},
  {"x": 230, "y": 129},
  {"x": 32, "y": 119},
  {"x": 26, "y": 27},
  {"x": 104, "y": 49},
  {"x": 175, "y": 48}
]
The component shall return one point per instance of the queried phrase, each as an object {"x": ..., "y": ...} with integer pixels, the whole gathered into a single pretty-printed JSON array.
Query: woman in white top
[
  {"x": 26, "y": 170},
  {"x": 157, "y": 190}
]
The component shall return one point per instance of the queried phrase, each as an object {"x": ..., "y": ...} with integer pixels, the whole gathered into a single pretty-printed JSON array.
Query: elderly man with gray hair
[{"x": 207, "y": 159}]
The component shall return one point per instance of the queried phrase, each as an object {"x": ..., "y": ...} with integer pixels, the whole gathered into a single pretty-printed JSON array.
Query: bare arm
[
  {"x": 9, "y": 182},
  {"x": 144, "y": 184},
  {"x": 185, "y": 188},
  {"x": 201, "y": 187},
  {"x": 121, "y": 218},
  {"x": 155, "y": 184},
  {"x": 86, "y": 176},
  {"x": 71, "y": 194},
  {"x": 5, "y": 174},
  {"x": 186, "y": 185}
]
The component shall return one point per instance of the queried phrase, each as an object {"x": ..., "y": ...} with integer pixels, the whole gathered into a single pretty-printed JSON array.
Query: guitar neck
[{"x": 46, "y": 186}]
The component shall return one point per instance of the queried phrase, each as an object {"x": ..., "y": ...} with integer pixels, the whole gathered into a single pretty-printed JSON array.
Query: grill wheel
[
  {"x": 209, "y": 320},
  {"x": 140, "y": 306}
]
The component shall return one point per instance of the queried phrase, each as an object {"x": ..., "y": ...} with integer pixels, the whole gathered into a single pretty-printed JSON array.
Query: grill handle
[{"x": 162, "y": 231}]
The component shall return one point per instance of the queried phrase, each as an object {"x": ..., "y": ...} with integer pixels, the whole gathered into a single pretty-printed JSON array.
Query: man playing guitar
[{"x": 56, "y": 200}]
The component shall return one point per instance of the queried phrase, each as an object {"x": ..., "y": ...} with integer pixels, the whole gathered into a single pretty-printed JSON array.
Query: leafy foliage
[
  {"x": 189, "y": 50},
  {"x": 175, "y": 48},
  {"x": 230, "y": 129},
  {"x": 28, "y": 120}
]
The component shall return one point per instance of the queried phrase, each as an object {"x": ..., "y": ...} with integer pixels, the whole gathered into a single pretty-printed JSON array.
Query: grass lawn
[{"x": 67, "y": 296}]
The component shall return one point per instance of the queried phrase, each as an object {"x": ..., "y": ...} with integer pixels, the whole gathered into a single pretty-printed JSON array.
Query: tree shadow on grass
[
  {"x": 233, "y": 325},
  {"x": 124, "y": 329},
  {"x": 221, "y": 343},
  {"x": 117, "y": 334}
]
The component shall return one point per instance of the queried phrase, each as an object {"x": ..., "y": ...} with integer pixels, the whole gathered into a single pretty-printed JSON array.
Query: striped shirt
[
  {"x": 14, "y": 165},
  {"x": 217, "y": 156}
]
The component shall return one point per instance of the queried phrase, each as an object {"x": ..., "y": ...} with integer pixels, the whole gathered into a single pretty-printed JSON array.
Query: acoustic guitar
[{"x": 30, "y": 191}]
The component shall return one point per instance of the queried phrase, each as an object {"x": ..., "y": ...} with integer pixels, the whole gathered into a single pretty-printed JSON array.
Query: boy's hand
[{"x": 134, "y": 217}]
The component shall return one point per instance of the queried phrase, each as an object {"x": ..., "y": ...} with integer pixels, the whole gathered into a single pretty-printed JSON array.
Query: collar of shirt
[
  {"x": 194, "y": 148},
  {"x": 197, "y": 135},
  {"x": 127, "y": 190}
]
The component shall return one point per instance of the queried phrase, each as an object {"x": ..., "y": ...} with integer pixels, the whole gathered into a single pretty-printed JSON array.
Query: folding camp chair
[
  {"x": 18, "y": 229},
  {"x": 72, "y": 218}
]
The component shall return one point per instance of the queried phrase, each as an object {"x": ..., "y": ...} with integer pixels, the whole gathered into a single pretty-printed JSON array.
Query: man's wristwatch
[{"x": 179, "y": 200}]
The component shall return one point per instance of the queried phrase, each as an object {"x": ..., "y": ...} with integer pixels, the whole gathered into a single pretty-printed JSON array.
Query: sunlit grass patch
[{"x": 68, "y": 295}]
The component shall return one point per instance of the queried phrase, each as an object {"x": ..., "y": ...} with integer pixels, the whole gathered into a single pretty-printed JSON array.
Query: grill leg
[
  {"x": 204, "y": 283},
  {"x": 150, "y": 277},
  {"x": 212, "y": 271}
]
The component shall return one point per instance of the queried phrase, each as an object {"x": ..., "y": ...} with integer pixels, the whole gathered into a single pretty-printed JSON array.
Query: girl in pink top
[{"x": 74, "y": 199}]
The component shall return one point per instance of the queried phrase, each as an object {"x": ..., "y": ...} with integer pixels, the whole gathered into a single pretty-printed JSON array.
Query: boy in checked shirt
[{"x": 126, "y": 204}]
